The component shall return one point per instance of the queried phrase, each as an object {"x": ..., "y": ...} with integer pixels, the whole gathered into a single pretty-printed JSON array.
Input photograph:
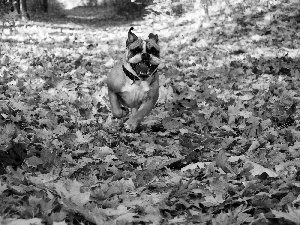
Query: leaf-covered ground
[{"x": 221, "y": 147}]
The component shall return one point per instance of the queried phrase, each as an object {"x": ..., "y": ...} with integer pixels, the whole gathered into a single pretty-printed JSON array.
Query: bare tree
[
  {"x": 206, "y": 4},
  {"x": 23, "y": 10},
  {"x": 21, "y": 7},
  {"x": 16, "y": 5},
  {"x": 44, "y": 4}
]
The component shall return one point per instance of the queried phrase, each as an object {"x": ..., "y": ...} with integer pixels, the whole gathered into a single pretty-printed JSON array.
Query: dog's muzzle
[{"x": 144, "y": 69}]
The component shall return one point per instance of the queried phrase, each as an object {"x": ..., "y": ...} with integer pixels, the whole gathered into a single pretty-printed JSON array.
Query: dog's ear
[
  {"x": 131, "y": 37},
  {"x": 153, "y": 37}
]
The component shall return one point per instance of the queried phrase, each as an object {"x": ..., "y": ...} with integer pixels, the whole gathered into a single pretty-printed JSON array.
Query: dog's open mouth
[{"x": 144, "y": 69}]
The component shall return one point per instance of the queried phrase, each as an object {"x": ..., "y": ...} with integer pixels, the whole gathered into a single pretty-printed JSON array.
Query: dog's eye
[
  {"x": 137, "y": 50},
  {"x": 153, "y": 51}
]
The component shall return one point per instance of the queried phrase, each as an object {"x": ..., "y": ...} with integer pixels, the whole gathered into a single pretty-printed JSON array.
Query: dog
[{"x": 133, "y": 83}]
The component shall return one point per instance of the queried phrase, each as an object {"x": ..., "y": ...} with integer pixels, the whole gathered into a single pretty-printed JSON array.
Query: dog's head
[{"x": 143, "y": 56}]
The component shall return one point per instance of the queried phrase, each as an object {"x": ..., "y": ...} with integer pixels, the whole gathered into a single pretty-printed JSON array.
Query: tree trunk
[
  {"x": 23, "y": 9},
  {"x": 206, "y": 13},
  {"x": 45, "y": 5},
  {"x": 16, "y": 5},
  {"x": 205, "y": 4}
]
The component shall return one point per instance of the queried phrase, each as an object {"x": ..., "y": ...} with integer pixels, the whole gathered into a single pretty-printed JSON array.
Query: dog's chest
[{"x": 133, "y": 93}]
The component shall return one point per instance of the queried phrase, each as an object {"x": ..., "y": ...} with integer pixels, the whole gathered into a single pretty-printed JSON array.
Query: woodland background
[{"x": 221, "y": 147}]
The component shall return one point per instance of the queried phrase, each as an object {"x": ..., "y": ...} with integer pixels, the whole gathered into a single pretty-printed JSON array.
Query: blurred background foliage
[{"x": 118, "y": 9}]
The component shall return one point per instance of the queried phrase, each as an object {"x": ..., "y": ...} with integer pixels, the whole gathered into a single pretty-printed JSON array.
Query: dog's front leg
[
  {"x": 136, "y": 118},
  {"x": 145, "y": 108},
  {"x": 115, "y": 105}
]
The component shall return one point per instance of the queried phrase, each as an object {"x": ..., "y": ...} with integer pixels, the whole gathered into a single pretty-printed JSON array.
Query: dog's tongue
[{"x": 143, "y": 68}]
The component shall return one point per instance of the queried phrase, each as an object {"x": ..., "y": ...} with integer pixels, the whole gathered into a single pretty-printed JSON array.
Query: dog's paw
[
  {"x": 130, "y": 126},
  {"x": 123, "y": 112}
]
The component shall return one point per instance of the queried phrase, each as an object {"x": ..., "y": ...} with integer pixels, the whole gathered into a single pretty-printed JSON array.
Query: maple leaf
[
  {"x": 33, "y": 221},
  {"x": 258, "y": 169},
  {"x": 60, "y": 130},
  {"x": 222, "y": 161},
  {"x": 295, "y": 149},
  {"x": 34, "y": 161},
  {"x": 292, "y": 214},
  {"x": 3, "y": 187},
  {"x": 71, "y": 191},
  {"x": 213, "y": 201},
  {"x": 81, "y": 138},
  {"x": 101, "y": 152},
  {"x": 17, "y": 174}
]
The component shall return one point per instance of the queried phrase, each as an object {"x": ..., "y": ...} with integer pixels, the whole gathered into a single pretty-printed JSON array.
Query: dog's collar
[
  {"x": 133, "y": 77},
  {"x": 130, "y": 75}
]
